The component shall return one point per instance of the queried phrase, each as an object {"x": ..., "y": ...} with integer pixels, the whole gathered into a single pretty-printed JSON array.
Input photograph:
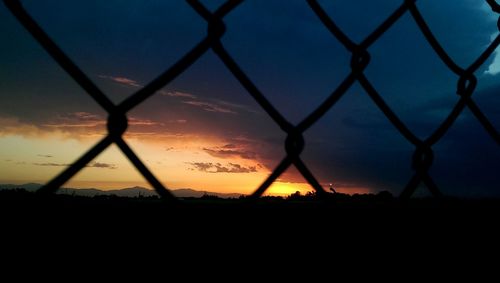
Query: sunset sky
[{"x": 204, "y": 131}]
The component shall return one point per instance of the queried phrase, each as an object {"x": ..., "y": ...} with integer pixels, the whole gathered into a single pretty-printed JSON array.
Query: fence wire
[{"x": 294, "y": 144}]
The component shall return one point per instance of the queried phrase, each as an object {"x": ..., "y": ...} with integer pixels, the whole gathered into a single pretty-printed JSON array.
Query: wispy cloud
[
  {"x": 210, "y": 107},
  {"x": 14, "y": 126},
  {"x": 77, "y": 120},
  {"x": 90, "y": 120},
  {"x": 237, "y": 106},
  {"x": 122, "y": 80},
  {"x": 142, "y": 122},
  {"x": 210, "y": 167},
  {"x": 229, "y": 151},
  {"x": 51, "y": 164},
  {"x": 102, "y": 165},
  {"x": 91, "y": 165},
  {"x": 177, "y": 94},
  {"x": 45, "y": 155},
  {"x": 80, "y": 125}
]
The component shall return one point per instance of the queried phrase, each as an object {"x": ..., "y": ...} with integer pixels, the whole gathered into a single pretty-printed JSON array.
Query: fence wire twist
[{"x": 294, "y": 144}]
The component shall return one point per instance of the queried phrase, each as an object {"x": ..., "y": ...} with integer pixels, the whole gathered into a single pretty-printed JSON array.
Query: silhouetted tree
[
  {"x": 295, "y": 196},
  {"x": 210, "y": 197}
]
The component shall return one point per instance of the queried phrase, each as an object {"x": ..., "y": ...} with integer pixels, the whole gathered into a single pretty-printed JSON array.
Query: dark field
[
  {"x": 213, "y": 232},
  {"x": 269, "y": 212}
]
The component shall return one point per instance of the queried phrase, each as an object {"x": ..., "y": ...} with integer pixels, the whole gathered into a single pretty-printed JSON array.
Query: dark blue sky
[{"x": 293, "y": 59}]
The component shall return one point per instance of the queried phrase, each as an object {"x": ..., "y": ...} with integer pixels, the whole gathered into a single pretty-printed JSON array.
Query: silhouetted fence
[{"x": 294, "y": 143}]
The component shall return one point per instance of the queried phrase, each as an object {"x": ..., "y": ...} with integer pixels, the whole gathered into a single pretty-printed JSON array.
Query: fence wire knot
[
  {"x": 466, "y": 85},
  {"x": 294, "y": 144},
  {"x": 117, "y": 125},
  {"x": 422, "y": 158},
  {"x": 359, "y": 60}
]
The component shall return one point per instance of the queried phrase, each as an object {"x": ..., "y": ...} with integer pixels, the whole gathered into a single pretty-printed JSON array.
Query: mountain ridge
[{"x": 124, "y": 192}]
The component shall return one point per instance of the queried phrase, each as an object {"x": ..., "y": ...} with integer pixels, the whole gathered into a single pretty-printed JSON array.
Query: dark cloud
[
  {"x": 102, "y": 165},
  {"x": 229, "y": 146},
  {"x": 229, "y": 153},
  {"x": 45, "y": 155},
  {"x": 51, "y": 164},
  {"x": 210, "y": 167},
  {"x": 91, "y": 165}
]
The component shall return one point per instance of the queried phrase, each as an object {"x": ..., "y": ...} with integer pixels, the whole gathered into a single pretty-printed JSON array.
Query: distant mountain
[
  {"x": 31, "y": 187},
  {"x": 197, "y": 194},
  {"x": 126, "y": 192}
]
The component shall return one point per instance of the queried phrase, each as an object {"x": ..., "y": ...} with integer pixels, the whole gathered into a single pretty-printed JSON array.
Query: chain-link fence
[{"x": 294, "y": 144}]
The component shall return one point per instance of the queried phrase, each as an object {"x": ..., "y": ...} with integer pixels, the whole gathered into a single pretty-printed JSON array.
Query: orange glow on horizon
[
  {"x": 287, "y": 188},
  {"x": 170, "y": 158}
]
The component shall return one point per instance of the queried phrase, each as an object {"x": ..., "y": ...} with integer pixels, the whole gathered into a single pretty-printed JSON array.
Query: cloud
[
  {"x": 229, "y": 145},
  {"x": 13, "y": 126},
  {"x": 50, "y": 164},
  {"x": 214, "y": 105},
  {"x": 85, "y": 124},
  {"x": 79, "y": 125},
  {"x": 169, "y": 148},
  {"x": 90, "y": 165},
  {"x": 77, "y": 120},
  {"x": 494, "y": 67},
  {"x": 102, "y": 165},
  {"x": 177, "y": 94},
  {"x": 122, "y": 80},
  {"x": 230, "y": 150},
  {"x": 154, "y": 135},
  {"x": 237, "y": 106},
  {"x": 210, "y": 107},
  {"x": 45, "y": 155},
  {"x": 210, "y": 167},
  {"x": 142, "y": 122}
]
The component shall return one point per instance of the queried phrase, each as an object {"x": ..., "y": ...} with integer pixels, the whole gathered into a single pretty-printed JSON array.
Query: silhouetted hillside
[
  {"x": 269, "y": 220},
  {"x": 125, "y": 192}
]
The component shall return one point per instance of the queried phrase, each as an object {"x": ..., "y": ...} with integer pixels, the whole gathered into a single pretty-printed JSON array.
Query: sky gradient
[{"x": 204, "y": 131}]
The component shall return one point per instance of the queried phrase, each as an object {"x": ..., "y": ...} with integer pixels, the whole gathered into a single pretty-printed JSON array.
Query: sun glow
[{"x": 286, "y": 188}]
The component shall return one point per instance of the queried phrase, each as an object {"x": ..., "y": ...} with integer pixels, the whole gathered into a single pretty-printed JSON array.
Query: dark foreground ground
[
  {"x": 302, "y": 234},
  {"x": 333, "y": 214}
]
